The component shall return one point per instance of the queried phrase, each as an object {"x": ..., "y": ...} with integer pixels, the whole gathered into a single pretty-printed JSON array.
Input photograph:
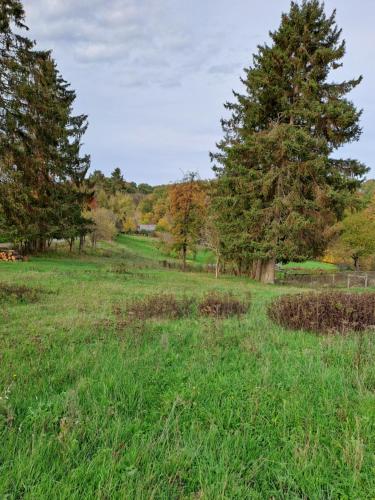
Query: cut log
[{"x": 10, "y": 256}]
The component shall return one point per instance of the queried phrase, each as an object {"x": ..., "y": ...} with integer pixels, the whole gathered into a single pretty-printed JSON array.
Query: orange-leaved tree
[{"x": 187, "y": 202}]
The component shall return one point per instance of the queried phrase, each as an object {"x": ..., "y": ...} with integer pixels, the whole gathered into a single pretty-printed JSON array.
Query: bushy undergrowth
[
  {"x": 18, "y": 293},
  {"x": 222, "y": 305},
  {"x": 161, "y": 306},
  {"x": 168, "y": 306},
  {"x": 331, "y": 312}
]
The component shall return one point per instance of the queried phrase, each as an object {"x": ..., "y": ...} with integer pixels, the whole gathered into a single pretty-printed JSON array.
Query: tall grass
[{"x": 186, "y": 408}]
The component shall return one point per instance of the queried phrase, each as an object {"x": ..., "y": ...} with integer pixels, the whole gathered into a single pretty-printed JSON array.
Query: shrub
[
  {"x": 104, "y": 225},
  {"x": 161, "y": 306},
  {"x": 331, "y": 312},
  {"x": 18, "y": 293},
  {"x": 168, "y": 306},
  {"x": 222, "y": 306}
]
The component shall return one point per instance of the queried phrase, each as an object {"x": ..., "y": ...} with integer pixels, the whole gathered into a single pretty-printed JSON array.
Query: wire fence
[
  {"x": 329, "y": 280},
  {"x": 194, "y": 268}
]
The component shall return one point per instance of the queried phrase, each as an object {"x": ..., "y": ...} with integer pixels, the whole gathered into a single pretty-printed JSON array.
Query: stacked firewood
[{"x": 10, "y": 256}]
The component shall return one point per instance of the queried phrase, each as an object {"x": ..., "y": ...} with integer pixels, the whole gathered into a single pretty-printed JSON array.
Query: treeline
[
  {"x": 41, "y": 166},
  {"x": 178, "y": 212},
  {"x": 280, "y": 194},
  {"x": 186, "y": 218},
  {"x": 119, "y": 205}
]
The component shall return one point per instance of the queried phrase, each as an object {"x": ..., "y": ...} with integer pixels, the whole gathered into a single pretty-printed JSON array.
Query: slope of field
[
  {"x": 143, "y": 246},
  {"x": 150, "y": 248},
  {"x": 193, "y": 408}
]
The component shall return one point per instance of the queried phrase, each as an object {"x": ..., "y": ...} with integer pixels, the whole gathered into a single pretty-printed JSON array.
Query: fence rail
[{"x": 330, "y": 280}]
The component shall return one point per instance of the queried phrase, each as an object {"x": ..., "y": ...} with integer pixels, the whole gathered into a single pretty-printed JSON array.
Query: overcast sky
[{"x": 153, "y": 74}]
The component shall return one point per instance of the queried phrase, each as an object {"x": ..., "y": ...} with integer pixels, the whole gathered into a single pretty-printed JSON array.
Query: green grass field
[
  {"x": 311, "y": 265},
  {"x": 184, "y": 409},
  {"x": 148, "y": 247}
]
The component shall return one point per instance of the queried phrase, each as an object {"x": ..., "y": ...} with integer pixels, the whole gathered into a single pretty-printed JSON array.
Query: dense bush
[
  {"x": 222, "y": 306},
  {"x": 325, "y": 312},
  {"x": 161, "y": 306}
]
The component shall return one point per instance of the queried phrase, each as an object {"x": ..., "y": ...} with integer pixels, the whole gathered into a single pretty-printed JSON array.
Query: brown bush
[
  {"x": 331, "y": 312},
  {"x": 18, "y": 293},
  {"x": 222, "y": 306},
  {"x": 161, "y": 306}
]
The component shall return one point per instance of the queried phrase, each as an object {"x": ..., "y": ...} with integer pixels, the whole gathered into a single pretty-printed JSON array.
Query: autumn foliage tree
[
  {"x": 187, "y": 207},
  {"x": 355, "y": 237},
  {"x": 104, "y": 225},
  {"x": 358, "y": 236},
  {"x": 211, "y": 237}
]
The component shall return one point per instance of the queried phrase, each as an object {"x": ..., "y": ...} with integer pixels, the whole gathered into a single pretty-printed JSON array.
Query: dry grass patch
[
  {"x": 18, "y": 293},
  {"x": 161, "y": 306},
  {"x": 170, "y": 307},
  {"x": 222, "y": 305},
  {"x": 331, "y": 312}
]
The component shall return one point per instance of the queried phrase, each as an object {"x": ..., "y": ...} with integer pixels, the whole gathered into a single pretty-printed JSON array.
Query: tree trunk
[
  {"x": 81, "y": 243},
  {"x": 357, "y": 267},
  {"x": 267, "y": 271},
  {"x": 258, "y": 270},
  {"x": 264, "y": 271},
  {"x": 41, "y": 245},
  {"x": 217, "y": 267},
  {"x": 184, "y": 252},
  {"x": 240, "y": 267},
  {"x": 254, "y": 269}
]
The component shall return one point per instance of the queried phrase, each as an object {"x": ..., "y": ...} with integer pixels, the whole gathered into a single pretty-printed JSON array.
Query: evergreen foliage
[
  {"x": 41, "y": 168},
  {"x": 278, "y": 186}
]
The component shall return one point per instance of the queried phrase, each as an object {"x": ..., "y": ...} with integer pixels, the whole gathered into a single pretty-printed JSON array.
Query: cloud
[
  {"x": 138, "y": 35},
  {"x": 223, "y": 69},
  {"x": 153, "y": 74}
]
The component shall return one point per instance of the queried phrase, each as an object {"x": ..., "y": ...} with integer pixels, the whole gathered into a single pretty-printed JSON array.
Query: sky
[{"x": 153, "y": 75}]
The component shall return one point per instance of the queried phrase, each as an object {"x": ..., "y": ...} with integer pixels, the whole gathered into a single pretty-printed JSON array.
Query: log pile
[{"x": 10, "y": 256}]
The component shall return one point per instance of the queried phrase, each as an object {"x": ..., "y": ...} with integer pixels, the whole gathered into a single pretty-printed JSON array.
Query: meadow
[{"x": 194, "y": 408}]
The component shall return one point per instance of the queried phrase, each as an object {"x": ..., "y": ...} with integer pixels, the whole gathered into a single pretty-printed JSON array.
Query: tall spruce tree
[
  {"x": 12, "y": 44},
  {"x": 278, "y": 186},
  {"x": 41, "y": 169}
]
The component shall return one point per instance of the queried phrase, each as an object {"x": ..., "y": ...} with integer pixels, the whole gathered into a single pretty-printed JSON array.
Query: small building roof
[{"x": 150, "y": 228}]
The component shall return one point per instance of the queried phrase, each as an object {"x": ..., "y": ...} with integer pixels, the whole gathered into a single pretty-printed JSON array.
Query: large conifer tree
[
  {"x": 12, "y": 44},
  {"x": 278, "y": 186},
  {"x": 41, "y": 168}
]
